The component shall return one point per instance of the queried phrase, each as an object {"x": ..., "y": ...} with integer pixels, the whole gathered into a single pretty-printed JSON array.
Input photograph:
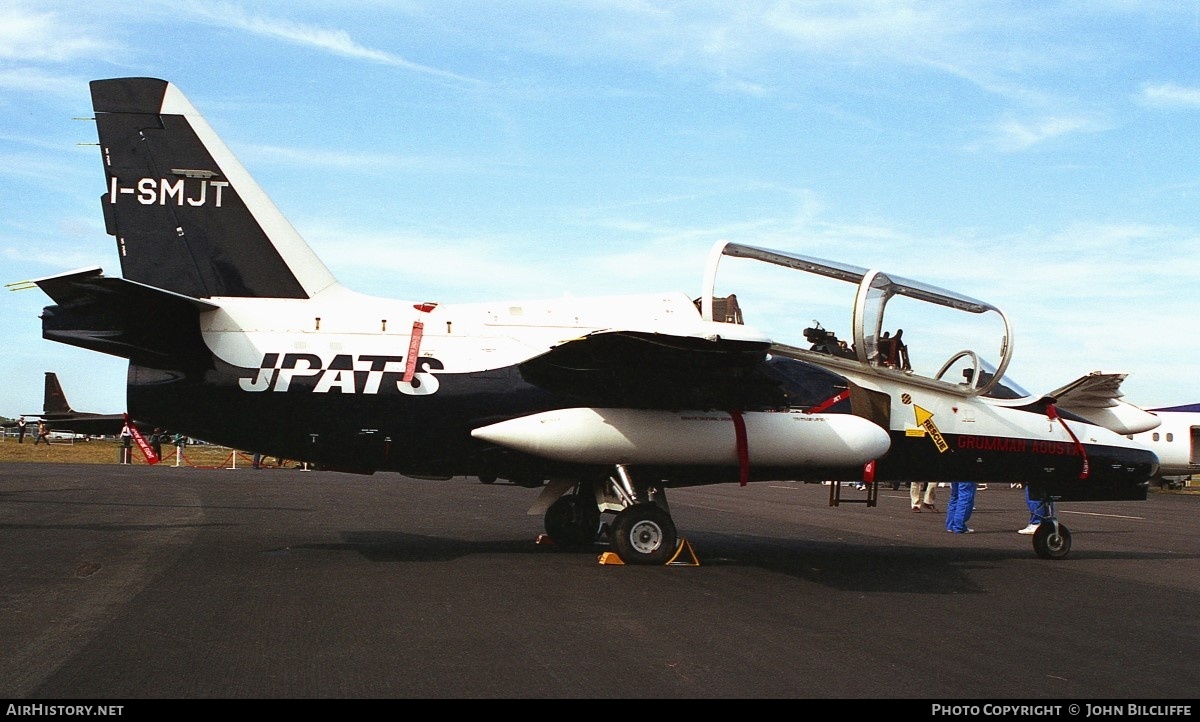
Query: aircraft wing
[
  {"x": 655, "y": 370},
  {"x": 649, "y": 370},
  {"x": 1097, "y": 398},
  {"x": 89, "y": 424}
]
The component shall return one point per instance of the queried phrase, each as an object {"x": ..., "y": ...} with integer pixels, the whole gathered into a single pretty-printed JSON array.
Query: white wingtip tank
[{"x": 633, "y": 436}]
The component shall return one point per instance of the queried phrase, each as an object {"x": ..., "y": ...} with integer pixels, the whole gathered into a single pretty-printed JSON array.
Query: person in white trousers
[{"x": 914, "y": 493}]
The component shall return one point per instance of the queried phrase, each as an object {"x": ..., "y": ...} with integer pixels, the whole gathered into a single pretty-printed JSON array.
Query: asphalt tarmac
[{"x": 140, "y": 583}]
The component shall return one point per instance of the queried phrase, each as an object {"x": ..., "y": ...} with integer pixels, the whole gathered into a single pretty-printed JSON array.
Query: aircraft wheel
[
  {"x": 487, "y": 480},
  {"x": 1051, "y": 543},
  {"x": 643, "y": 534},
  {"x": 573, "y": 520}
]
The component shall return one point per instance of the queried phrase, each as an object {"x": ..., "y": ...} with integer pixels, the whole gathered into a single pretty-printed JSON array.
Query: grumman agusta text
[
  {"x": 1075, "y": 710},
  {"x": 69, "y": 710}
]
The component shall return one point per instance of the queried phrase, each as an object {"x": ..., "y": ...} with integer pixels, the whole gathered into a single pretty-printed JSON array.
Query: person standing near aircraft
[
  {"x": 1038, "y": 511},
  {"x": 126, "y": 445},
  {"x": 914, "y": 493},
  {"x": 43, "y": 434},
  {"x": 180, "y": 444},
  {"x": 21, "y": 430},
  {"x": 960, "y": 506},
  {"x": 156, "y": 441}
]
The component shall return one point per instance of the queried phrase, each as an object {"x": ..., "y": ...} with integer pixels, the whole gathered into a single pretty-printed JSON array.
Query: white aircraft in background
[
  {"x": 602, "y": 403},
  {"x": 1176, "y": 442}
]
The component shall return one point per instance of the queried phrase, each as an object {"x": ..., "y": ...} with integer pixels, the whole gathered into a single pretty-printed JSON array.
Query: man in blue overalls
[{"x": 960, "y": 506}]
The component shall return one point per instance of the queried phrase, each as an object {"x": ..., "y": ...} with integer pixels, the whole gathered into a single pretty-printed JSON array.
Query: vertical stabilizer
[
  {"x": 55, "y": 401},
  {"x": 186, "y": 215}
]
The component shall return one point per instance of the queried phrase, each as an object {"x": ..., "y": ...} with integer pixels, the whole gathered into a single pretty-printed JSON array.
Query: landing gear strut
[
  {"x": 641, "y": 532},
  {"x": 1052, "y": 540}
]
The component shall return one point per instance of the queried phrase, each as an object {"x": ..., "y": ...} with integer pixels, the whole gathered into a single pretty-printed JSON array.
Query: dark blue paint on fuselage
[{"x": 431, "y": 436}]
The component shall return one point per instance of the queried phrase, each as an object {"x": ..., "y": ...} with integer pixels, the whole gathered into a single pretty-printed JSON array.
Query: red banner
[
  {"x": 414, "y": 350},
  {"x": 147, "y": 450},
  {"x": 1052, "y": 412},
  {"x": 414, "y": 343}
]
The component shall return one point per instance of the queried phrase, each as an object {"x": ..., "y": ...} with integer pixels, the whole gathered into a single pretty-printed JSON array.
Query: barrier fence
[{"x": 205, "y": 456}]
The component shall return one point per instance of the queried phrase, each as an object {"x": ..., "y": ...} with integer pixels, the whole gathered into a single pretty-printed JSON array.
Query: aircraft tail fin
[
  {"x": 187, "y": 217},
  {"x": 55, "y": 401}
]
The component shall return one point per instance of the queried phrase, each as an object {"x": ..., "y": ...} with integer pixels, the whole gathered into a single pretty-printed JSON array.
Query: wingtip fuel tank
[{"x": 636, "y": 436}]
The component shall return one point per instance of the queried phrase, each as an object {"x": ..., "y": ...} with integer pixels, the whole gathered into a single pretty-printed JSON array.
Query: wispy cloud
[
  {"x": 331, "y": 40},
  {"x": 1170, "y": 95},
  {"x": 29, "y": 79},
  {"x": 361, "y": 161},
  {"x": 868, "y": 26},
  {"x": 32, "y": 37},
  {"x": 1011, "y": 135}
]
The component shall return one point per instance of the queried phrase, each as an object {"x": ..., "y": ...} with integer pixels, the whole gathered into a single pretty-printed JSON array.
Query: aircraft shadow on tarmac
[
  {"x": 844, "y": 566},
  {"x": 115, "y": 528}
]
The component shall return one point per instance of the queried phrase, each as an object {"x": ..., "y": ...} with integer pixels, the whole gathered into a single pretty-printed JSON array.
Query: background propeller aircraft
[{"x": 603, "y": 403}]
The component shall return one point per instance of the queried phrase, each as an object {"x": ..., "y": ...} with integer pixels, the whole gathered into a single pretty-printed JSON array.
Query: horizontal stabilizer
[{"x": 149, "y": 326}]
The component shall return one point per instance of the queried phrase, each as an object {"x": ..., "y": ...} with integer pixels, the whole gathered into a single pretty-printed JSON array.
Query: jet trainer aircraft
[{"x": 603, "y": 403}]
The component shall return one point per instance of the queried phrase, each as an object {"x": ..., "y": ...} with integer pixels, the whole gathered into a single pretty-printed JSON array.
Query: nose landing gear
[{"x": 1052, "y": 540}]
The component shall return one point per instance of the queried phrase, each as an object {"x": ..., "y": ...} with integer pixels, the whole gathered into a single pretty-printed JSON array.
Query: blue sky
[{"x": 1041, "y": 156}]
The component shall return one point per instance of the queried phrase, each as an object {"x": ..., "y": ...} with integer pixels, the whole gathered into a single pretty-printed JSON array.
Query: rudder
[
  {"x": 54, "y": 401},
  {"x": 186, "y": 215}
]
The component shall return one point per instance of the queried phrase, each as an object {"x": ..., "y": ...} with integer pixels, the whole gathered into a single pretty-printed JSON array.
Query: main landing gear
[
  {"x": 641, "y": 531},
  {"x": 574, "y": 519},
  {"x": 644, "y": 534}
]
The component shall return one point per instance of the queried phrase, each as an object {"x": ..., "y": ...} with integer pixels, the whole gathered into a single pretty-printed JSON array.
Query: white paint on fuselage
[
  {"x": 463, "y": 337},
  {"x": 978, "y": 416}
]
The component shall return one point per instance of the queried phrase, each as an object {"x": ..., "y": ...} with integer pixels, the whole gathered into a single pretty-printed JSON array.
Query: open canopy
[{"x": 968, "y": 342}]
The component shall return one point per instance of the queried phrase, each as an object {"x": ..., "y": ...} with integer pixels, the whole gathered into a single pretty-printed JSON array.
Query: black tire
[
  {"x": 1052, "y": 543},
  {"x": 644, "y": 534},
  {"x": 487, "y": 480},
  {"x": 573, "y": 520}
]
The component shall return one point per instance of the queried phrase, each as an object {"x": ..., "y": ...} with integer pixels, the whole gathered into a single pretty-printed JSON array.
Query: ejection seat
[
  {"x": 726, "y": 310},
  {"x": 893, "y": 352}
]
